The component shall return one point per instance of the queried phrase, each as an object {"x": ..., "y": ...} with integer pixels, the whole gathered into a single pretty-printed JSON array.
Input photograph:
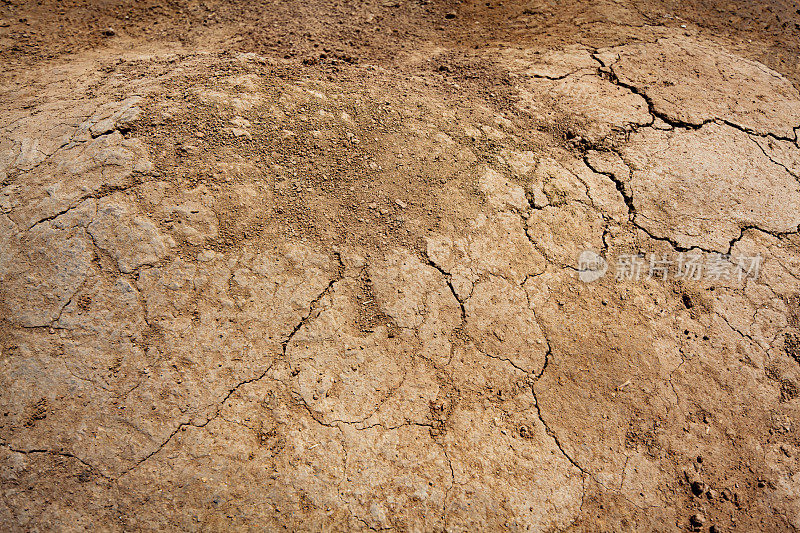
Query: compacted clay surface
[{"x": 320, "y": 266}]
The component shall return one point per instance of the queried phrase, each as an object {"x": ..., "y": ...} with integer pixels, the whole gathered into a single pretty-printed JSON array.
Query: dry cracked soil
[{"x": 414, "y": 265}]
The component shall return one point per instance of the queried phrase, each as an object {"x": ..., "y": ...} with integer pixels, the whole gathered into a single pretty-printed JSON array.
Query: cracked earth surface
[{"x": 248, "y": 284}]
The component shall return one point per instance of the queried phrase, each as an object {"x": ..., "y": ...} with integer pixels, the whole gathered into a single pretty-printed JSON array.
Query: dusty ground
[{"x": 314, "y": 266}]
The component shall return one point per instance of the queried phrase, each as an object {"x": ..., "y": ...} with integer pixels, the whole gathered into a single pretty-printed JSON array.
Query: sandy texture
[{"x": 261, "y": 274}]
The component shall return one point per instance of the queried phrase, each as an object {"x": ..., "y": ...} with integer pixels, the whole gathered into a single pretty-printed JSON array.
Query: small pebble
[
  {"x": 697, "y": 520},
  {"x": 698, "y": 488}
]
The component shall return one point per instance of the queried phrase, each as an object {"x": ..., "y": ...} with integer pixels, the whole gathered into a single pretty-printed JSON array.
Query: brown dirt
[{"x": 313, "y": 265}]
